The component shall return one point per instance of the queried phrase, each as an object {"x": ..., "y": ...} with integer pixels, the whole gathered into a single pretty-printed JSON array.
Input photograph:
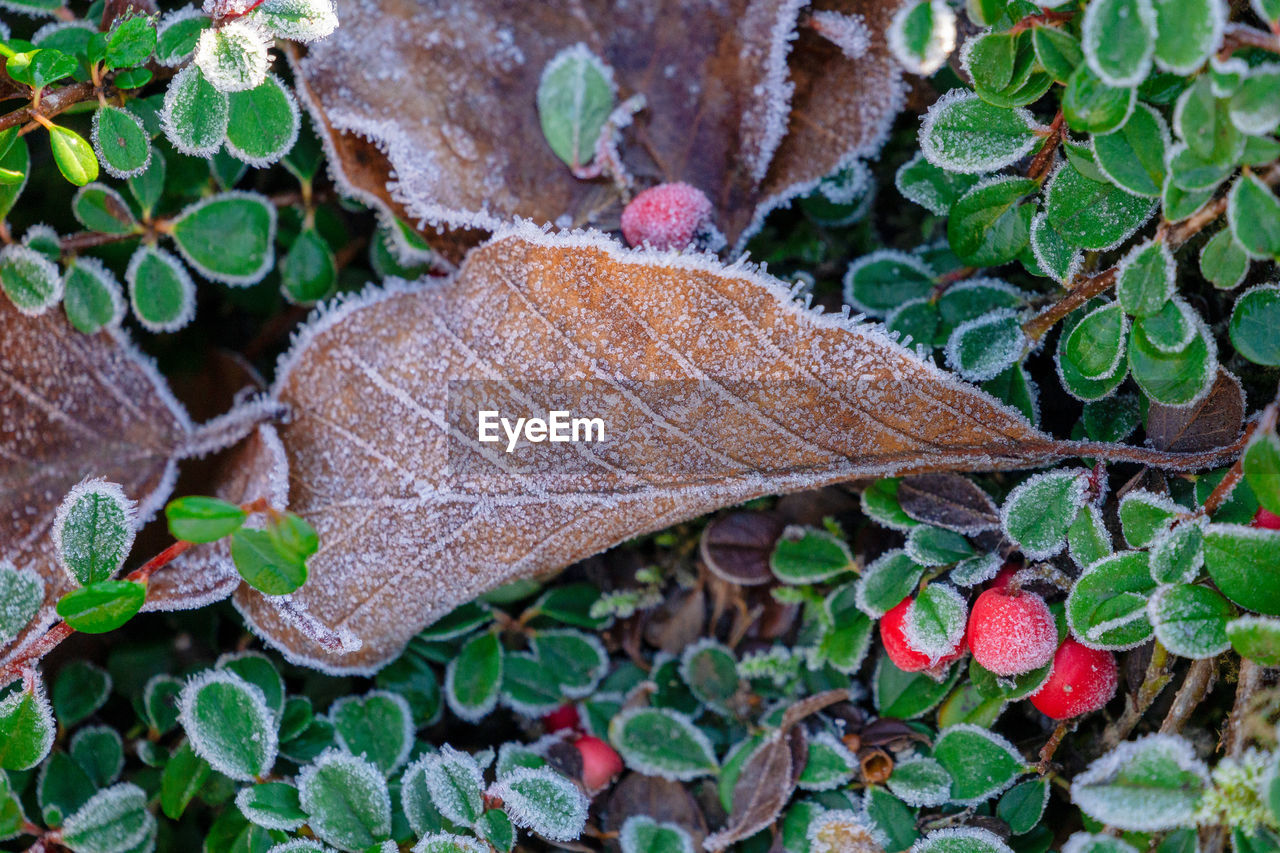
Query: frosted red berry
[
  {"x": 1082, "y": 680},
  {"x": 564, "y": 717},
  {"x": 894, "y": 638},
  {"x": 668, "y": 216},
  {"x": 1266, "y": 520},
  {"x": 1011, "y": 633},
  {"x": 600, "y": 762}
]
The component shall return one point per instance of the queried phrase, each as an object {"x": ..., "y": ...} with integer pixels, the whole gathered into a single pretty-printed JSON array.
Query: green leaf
[
  {"x": 98, "y": 207},
  {"x": 575, "y": 96},
  {"x": 1095, "y": 348},
  {"x": 1203, "y": 121},
  {"x": 1253, "y": 323},
  {"x": 578, "y": 660},
  {"x": 1038, "y": 512},
  {"x": 346, "y": 800},
  {"x": 920, "y": 782},
  {"x": 1145, "y": 515},
  {"x": 228, "y": 237},
  {"x": 160, "y": 702},
  {"x": 1149, "y": 784},
  {"x": 936, "y": 546},
  {"x": 15, "y": 164},
  {"x": 103, "y": 606},
  {"x": 930, "y": 187},
  {"x": 1254, "y": 109},
  {"x": 1241, "y": 561},
  {"x": 161, "y": 292},
  {"x": 23, "y": 593},
  {"x": 1173, "y": 378},
  {"x": 378, "y": 726},
  {"x": 847, "y": 634},
  {"x": 272, "y": 805},
  {"x": 542, "y": 801},
  {"x": 267, "y": 561},
  {"x": 454, "y": 781},
  {"x": 1119, "y": 39},
  {"x": 962, "y": 133},
  {"x": 148, "y": 187},
  {"x": 1178, "y": 554},
  {"x": 711, "y": 671},
  {"x": 643, "y": 834},
  {"x": 1133, "y": 157},
  {"x": 1253, "y": 212},
  {"x": 1111, "y": 420},
  {"x": 1091, "y": 106},
  {"x": 981, "y": 763},
  {"x": 27, "y": 728},
  {"x": 887, "y": 580},
  {"x": 962, "y": 839},
  {"x": 100, "y": 753},
  {"x": 1191, "y": 621},
  {"x": 1107, "y": 607},
  {"x": 983, "y": 348},
  {"x": 39, "y": 68},
  {"x": 880, "y": 281},
  {"x": 62, "y": 787},
  {"x": 200, "y": 519},
  {"x": 1022, "y": 805},
  {"x": 1058, "y": 51},
  {"x": 908, "y": 695},
  {"x": 1145, "y": 281},
  {"x": 262, "y": 123},
  {"x": 120, "y": 142},
  {"x": 1179, "y": 203},
  {"x": 1223, "y": 261},
  {"x": 134, "y": 78},
  {"x": 130, "y": 43},
  {"x": 662, "y": 742},
  {"x": 1003, "y": 68},
  {"x": 1261, "y": 465},
  {"x": 298, "y": 20},
  {"x": 74, "y": 156},
  {"x": 178, "y": 33},
  {"x": 28, "y": 278},
  {"x": 79, "y": 690},
  {"x": 934, "y": 624},
  {"x": 1187, "y": 33},
  {"x": 114, "y": 820},
  {"x": 309, "y": 272},
  {"x": 473, "y": 678},
  {"x": 195, "y": 114},
  {"x": 809, "y": 555},
  {"x": 1056, "y": 257},
  {"x": 1092, "y": 214},
  {"x": 91, "y": 296},
  {"x": 988, "y": 226},
  {"x": 229, "y": 724},
  {"x": 1256, "y": 638}
]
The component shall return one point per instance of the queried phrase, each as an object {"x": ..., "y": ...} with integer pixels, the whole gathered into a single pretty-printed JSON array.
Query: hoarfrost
[
  {"x": 114, "y": 819},
  {"x": 847, "y": 32},
  {"x": 541, "y": 800},
  {"x": 93, "y": 530},
  {"x": 455, "y": 782},
  {"x": 1144, "y": 785},
  {"x": 234, "y": 57},
  {"x": 205, "y": 707}
]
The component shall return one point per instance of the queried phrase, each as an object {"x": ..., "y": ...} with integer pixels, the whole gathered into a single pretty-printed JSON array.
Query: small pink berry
[
  {"x": 600, "y": 762},
  {"x": 1011, "y": 633},
  {"x": 668, "y": 216},
  {"x": 564, "y": 717},
  {"x": 1082, "y": 680},
  {"x": 1266, "y": 519}
]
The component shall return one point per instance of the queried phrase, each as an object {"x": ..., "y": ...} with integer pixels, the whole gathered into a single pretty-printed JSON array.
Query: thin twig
[
  {"x": 1222, "y": 491},
  {"x": 1158, "y": 675},
  {"x": 1236, "y": 735},
  {"x": 51, "y": 103},
  {"x": 1195, "y": 686}
]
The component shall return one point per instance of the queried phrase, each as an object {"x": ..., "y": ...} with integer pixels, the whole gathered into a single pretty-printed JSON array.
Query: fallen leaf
[
  {"x": 948, "y": 500},
  {"x": 443, "y": 129},
  {"x": 737, "y": 547},
  {"x": 664, "y": 800},
  {"x": 765, "y": 784},
  {"x": 1213, "y": 421},
  {"x": 716, "y": 385}
]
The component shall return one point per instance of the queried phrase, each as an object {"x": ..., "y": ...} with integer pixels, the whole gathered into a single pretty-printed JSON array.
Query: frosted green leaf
[
  {"x": 161, "y": 293},
  {"x": 98, "y": 207},
  {"x": 930, "y": 187},
  {"x": 195, "y": 114},
  {"x": 1133, "y": 157},
  {"x": 1174, "y": 378},
  {"x": 887, "y": 580},
  {"x": 989, "y": 225},
  {"x": 272, "y": 805},
  {"x": 308, "y": 272},
  {"x": 93, "y": 531},
  {"x": 1119, "y": 38},
  {"x": 298, "y": 20},
  {"x": 542, "y": 801},
  {"x": 829, "y": 763},
  {"x": 114, "y": 820},
  {"x": 346, "y": 800},
  {"x": 1253, "y": 323},
  {"x": 1092, "y": 214},
  {"x": 29, "y": 279},
  {"x": 177, "y": 34},
  {"x": 91, "y": 295},
  {"x": 981, "y": 763},
  {"x": 809, "y": 555},
  {"x": 920, "y": 782},
  {"x": 908, "y": 695},
  {"x": 234, "y": 57},
  {"x": 1146, "y": 785},
  {"x": 263, "y": 123},
  {"x": 1190, "y": 171},
  {"x": 878, "y": 282},
  {"x": 415, "y": 796},
  {"x": 1253, "y": 212},
  {"x": 662, "y": 742},
  {"x": 1177, "y": 203},
  {"x": 1145, "y": 515},
  {"x": 976, "y": 570},
  {"x": 1022, "y": 806},
  {"x": 228, "y": 724},
  {"x": 578, "y": 660},
  {"x": 1187, "y": 33},
  {"x": 1145, "y": 280},
  {"x": 377, "y": 726},
  {"x": 1038, "y": 512},
  {"x": 1003, "y": 68},
  {"x": 27, "y": 728},
  {"x": 1254, "y": 108},
  {"x": 934, "y": 624},
  {"x": 1171, "y": 328},
  {"x": 121, "y": 143},
  {"x": 228, "y": 237},
  {"x": 1058, "y": 51},
  {"x": 1223, "y": 261},
  {"x": 711, "y": 672},
  {"x": 474, "y": 677},
  {"x": 1095, "y": 348},
  {"x": 455, "y": 783},
  {"x": 1107, "y": 607},
  {"x": 643, "y": 834},
  {"x": 1091, "y": 106},
  {"x": 1177, "y": 555},
  {"x": 1052, "y": 252},
  {"x": 984, "y": 347},
  {"x": 963, "y": 133},
  {"x": 1190, "y": 621},
  {"x": 1261, "y": 466},
  {"x": 444, "y": 842},
  {"x": 100, "y": 753},
  {"x": 575, "y": 96},
  {"x": 936, "y": 546},
  {"x": 21, "y": 594},
  {"x": 1203, "y": 122},
  {"x": 1241, "y": 562},
  {"x": 258, "y": 670},
  {"x": 528, "y": 687},
  {"x": 1083, "y": 842},
  {"x": 847, "y": 636},
  {"x": 922, "y": 35},
  {"x": 961, "y": 839},
  {"x": 1256, "y": 638}
]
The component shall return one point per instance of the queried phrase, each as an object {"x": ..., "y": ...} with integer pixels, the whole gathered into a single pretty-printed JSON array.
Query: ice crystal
[
  {"x": 455, "y": 782},
  {"x": 234, "y": 57},
  {"x": 847, "y": 32},
  {"x": 541, "y": 800},
  {"x": 1238, "y": 795}
]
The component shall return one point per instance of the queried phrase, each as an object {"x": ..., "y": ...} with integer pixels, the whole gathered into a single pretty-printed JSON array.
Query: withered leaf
[
  {"x": 764, "y": 786},
  {"x": 737, "y": 547},
  {"x": 430, "y": 108},
  {"x": 664, "y": 800},
  {"x": 716, "y": 387},
  {"x": 948, "y": 500},
  {"x": 1213, "y": 421}
]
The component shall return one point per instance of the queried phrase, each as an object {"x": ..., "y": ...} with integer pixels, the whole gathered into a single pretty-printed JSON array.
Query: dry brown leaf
[
  {"x": 74, "y": 406},
  {"x": 430, "y": 108},
  {"x": 948, "y": 500},
  {"x": 765, "y": 784},
  {"x": 716, "y": 386},
  {"x": 1214, "y": 420}
]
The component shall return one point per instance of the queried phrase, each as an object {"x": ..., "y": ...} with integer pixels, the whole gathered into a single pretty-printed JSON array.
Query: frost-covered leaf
[
  {"x": 1241, "y": 562},
  {"x": 643, "y": 834},
  {"x": 1092, "y": 214},
  {"x": 1091, "y": 106},
  {"x": 1023, "y": 805},
  {"x": 1252, "y": 322},
  {"x": 377, "y": 726},
  {"x": 1038, "y": 512},
  {"x": 298, "y": 20},
  {"x": 122, "y": 145},
  {"x": 262, "y": 122},
  {"x": 929, "y": 186},
  {"x": 1107, "y": 606},
  {"x": 1253, "y": 108},
  {"x": 234, "y": 57},
  {"x": 908, "y": 694},
  {"x": 717, "y": 81},
  {"x": 760, "y": 790},
  {"x": 808, "y": 555},
  {"x": 1223, "y": 261},
  {"x": 343, "y": 395},
  {"x": 934, "y": 623},
  {"x": 962, "y": 133},
  {"x": 228, "y": 237},
  {"x": 91, "y": 295},
  {"x": 445, "y": 842},
  {"x": 876, "y": 282},
  {"x": 1133, "y": 157},
  {"x": 981, "y": 763},
  {"x": 1178, "y": 554},
  {"x": 989, "y": 225},
  {"x": 1145, "y": 280},
  {"x": 1256, "y": 638},
  {"x": 542, "y": 801},
  {"x": 79, "y": 690},
  {"x": 935, "y": 546},
  {"x": 1152, "y": 783},
  {"x": 1171, "y": 374},
  {"x": 887, "y": 580},
  {"x": 1145, "y": 515},
  {"x": 100, "y": 753},
  {"x": 309, "y": 271},
  {"x": 920, "y": 782},
  {"x": 1095, "y": 348},
  {"x": 114, "y": 820},
  {"x": 711, "y": 672},
  {"x": 847, "y": 635},
  {"x": 984, "y": 347},
  {"x": 578, "y": 660},
  {"x": 1253, "y": 213},
  {"x": 1203, "y": 122},
  {"x": 575, "y": 95},
  {"x": 20, "y": 596},
  {"x": 98, "y": 207},
  {"x": 1187, "y": 33},
  {"x": 961, "y": 839},
  {"x": 1119, "y": 40},
  {"x": 273, "y": 805},
  {"x": 922, "y": 35},
  {"x": 228, "y": 723},
  {"x": 829, "y": 763},
  {"x": 27, "y": 728},
  {"x": 195, "y": 113},
  {"x": 161, "y": 292},
  {"x": 29, "y": 279},
  {"x": 1190, "y": 621},
  {"x": 662, "y": 742},
  {"x": 346, "y": 801},
  {"x": 473, "y": 678},
  {"x": 456, "y": 784},
  {"x": 1083, "y": 842},
  {"x": 93, "y": 530}
]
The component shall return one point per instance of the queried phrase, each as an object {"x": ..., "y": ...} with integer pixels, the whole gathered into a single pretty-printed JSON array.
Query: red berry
[
  {"x": 564, "y": 717},
  {"x": 600, "y": 762},
  {"x": 1011, "y": 633},
  {"x": 1266, "y": 520},
  {"x": 668, "y": 216},
  {"x": 1083, "y": 680},
  {"x": 1006, "y": 573},
  {"x": 904, "y": 657}
]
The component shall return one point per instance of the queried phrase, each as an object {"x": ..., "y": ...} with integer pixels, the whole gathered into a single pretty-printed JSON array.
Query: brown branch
[
  {"x": 1221, "y": 492},
  {"x": 1043, "y": 160},
  {"x": 1236, "y": 735},
  {"x": 88, "y": 239},
  {"x": 1239, "y": 36},
  {"x": 1158, "y": 675},
  {"x": 1080, "y": 293},
  {"x": 1195, "y": 686},
  {"x": 51, "y": 103}
]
